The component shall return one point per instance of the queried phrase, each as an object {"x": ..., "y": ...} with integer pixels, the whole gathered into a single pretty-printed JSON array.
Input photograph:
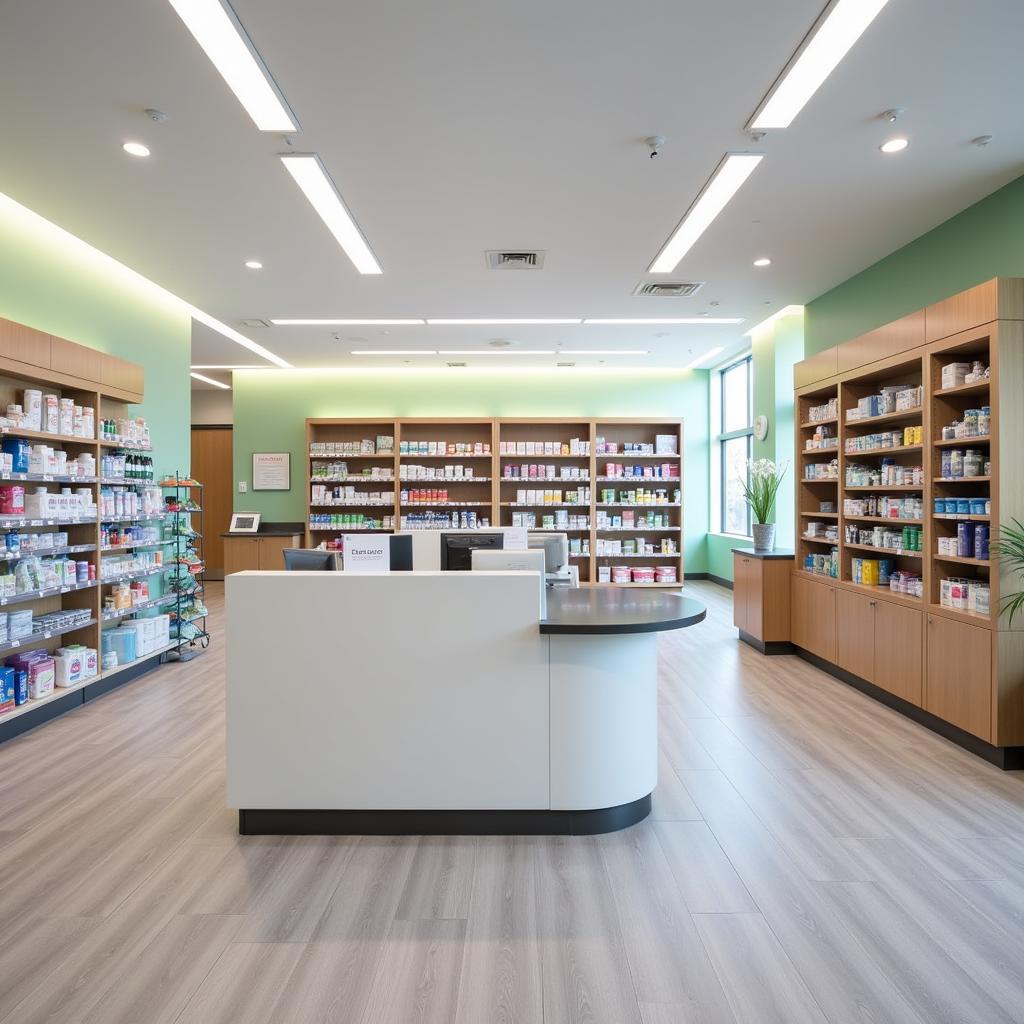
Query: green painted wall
[
  {"x": 984, "y": 241},
  {"x": 720, "y": 547},
  {"x": 56, "y": 283},
  {"x": 271, "y": 407}
]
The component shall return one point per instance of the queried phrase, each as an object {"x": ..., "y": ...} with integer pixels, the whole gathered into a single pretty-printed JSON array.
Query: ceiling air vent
[
  {"x": 518, "y": 259},
  {"x": 565, "y": 364},
  {"x": 668, "y": 289},
  {"x": 256, "y": 323},
  {"x": 458, "y": 364}
]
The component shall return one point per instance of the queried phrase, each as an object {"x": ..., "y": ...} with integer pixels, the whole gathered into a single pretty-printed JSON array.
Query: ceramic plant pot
[{"x": 764, "y": 536}]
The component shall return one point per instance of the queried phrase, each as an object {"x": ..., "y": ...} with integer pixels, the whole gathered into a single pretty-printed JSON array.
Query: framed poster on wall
[{"x": 271, "y": 471}]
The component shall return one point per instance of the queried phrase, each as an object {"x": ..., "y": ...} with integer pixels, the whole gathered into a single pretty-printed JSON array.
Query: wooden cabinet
[
  {"x": 242, "y": 554},
  {"x": 959, "y": 679},
  {"x": 880, "y": 641},
  {"x": 855, "y": 633},
  {"x": 899, "y": 651},
  {"x": 760, "y": 596},
  {"x": 813, "y": 616}
]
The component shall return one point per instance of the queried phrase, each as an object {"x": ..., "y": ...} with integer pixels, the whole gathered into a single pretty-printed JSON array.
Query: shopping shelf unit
[
  {"x": 31, "y": 359},
  {"x": 566, "y": 474},
  {"x": 184, "y": 500},
  {"x": 924, "y": 473}
]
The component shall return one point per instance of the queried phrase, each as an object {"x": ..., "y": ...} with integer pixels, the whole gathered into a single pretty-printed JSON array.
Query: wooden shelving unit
[
  {"x": 492, "y": 495},
  {"x": 960, "y": 666},
  {"x": 53, "y": 365}
]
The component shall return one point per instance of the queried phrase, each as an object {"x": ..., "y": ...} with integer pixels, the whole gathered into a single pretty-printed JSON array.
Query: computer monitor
[
  {"x": 555, "y": 547},
  {"x": 456, "y": 548},
  {"x": 309, "y": 560}
]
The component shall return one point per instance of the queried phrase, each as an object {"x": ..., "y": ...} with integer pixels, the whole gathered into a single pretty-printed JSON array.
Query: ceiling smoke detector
[
  {"x": 515, "y": 259},
  {"x": 670, "y": 289}
]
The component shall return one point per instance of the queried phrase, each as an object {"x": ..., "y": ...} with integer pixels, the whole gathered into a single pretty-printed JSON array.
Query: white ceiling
[{"x": 455, "y": 128}]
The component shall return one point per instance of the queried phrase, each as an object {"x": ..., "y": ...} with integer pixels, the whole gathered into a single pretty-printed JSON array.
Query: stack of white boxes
[{"x": 150, "y": 634}]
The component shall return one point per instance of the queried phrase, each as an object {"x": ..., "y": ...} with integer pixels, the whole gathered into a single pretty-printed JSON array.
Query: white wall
[{"x": 212, "y": 407}]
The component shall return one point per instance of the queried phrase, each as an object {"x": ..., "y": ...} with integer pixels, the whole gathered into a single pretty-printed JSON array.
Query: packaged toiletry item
[
  {"x": 51, "y": 414},
  {"x": 67, "y": 669},
  {"x": 32, "y": 403},
  {"x": 67, "y": 416},
  {"x": 12, "y": 500},
  {"x": 18, "y": 449},
  {"x": 7, "y": 690},
  {"x": 20, "y": 687}
]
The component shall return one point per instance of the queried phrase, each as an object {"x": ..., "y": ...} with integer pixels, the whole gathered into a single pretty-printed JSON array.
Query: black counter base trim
[
  {"x": 443, "y": 823},
  {"x": 767, "y": 646},
  {"x": 1007, "y": 758},
  {"x": 75, "y": 699}
]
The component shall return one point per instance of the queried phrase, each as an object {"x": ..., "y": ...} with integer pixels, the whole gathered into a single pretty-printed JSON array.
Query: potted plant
[
  {"x": 1010, "y": 548},
  {"x": 760, "y": 489}
]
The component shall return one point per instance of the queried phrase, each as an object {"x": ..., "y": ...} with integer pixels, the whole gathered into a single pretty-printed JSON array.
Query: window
[{"x": 735, "y": 444}]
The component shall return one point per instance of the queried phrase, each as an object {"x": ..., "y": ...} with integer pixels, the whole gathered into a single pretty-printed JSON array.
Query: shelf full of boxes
[
  {"x": 614, "y": 487},
  {"x": 72, "y": 493}
]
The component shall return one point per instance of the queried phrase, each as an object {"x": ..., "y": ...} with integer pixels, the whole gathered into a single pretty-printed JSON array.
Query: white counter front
[{"x": 429, "y": 701}]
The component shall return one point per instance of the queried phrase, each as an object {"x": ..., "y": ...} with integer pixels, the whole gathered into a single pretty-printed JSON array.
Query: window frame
[{"x": 728, "y": 435}]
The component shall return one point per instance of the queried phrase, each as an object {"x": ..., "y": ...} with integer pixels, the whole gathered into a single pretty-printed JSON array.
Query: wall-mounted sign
[{"x": 271, "y": 471}]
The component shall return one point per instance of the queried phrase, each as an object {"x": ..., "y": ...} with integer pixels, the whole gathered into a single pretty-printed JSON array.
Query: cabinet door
[
  {"x": 899, "y": 649},
  {"x": 740, "y": 586},
  {"x": 959, "y": 674},
  {"x": 755, "y": 598},
  {"x": 855, "y": 633},
  {"x": 240, "y": 554},
  {"x": 271, "y": 548},
  {"x": 813, "y": 615}
]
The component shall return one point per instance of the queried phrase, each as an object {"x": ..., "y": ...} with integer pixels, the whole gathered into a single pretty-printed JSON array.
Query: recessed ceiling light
[
  {"x": 227, "y": 366},
  {"x": 218, "y": 31},
  {"x": 655, "y": 321},
  {"x": 721, "y": 187},
  {"x": 604, "y": 352},
  {"x": 348, "y": 323},
  {"x": 393, "y": 352},
  {"x": 763, "y": 262},
  {"x": 210, "y": 380},
  {"x": 493, "y": 352},
  {"x": 894, "y": 145},
  {"x": 706, "y": 357},
  {"x": 310, "y": 175},
  {"x": 829, "y": 41},
  {"x": 136, "y": 149},
  {"x": 254, "y": 264},
  {"x": 501, "y": 321}
]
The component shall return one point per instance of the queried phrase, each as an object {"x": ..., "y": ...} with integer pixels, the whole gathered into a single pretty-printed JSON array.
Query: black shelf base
[
  {"x": 767, "y": 646},
  {"x": 1009, "y": 759},
  {"x": 253, "y": 822}
]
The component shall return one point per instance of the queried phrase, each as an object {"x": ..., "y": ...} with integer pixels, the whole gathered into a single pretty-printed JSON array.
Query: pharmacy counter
[{"x": 444, "y": 703}]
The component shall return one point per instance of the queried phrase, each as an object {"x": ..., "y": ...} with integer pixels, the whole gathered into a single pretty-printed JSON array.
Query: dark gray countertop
[
  {"x": 766, "y": 555},
  {"x": 272, "y": 530},
  {"x": 609, "y": 610}
]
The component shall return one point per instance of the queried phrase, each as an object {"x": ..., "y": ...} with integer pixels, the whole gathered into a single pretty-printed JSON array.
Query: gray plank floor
[{"x": 812, "y": 856}]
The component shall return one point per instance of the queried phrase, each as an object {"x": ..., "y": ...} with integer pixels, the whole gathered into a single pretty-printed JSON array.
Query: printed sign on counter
[
  {"x": 515, "y": 538},
  {"x": 366, "y": 554}
]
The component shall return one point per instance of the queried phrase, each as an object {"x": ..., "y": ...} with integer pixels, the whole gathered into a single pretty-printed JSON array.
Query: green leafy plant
[
  {"x": 761, "y": 487},
  {"x": 1010, "y": 548}
]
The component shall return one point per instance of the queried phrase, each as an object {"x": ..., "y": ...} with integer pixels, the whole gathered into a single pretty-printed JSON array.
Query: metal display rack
[{"x": 185, "y": 582}]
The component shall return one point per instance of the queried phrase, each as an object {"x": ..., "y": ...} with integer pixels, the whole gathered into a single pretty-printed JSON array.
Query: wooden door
[
  {"x": 740, "y": 586},
  {"x": 211, "y": 466},
  {"x": 899, "y": 651},
  {"x": 855, "y": 633},
  {"x": 959, "y": 674},
  {"x": 813, "y": 615}
]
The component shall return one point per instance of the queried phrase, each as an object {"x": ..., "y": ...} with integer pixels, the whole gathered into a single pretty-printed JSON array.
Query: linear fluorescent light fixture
[
  {"x": 496, "y": 352},
  {"x": 508, "y": 322},
  {"x": 219, "y": 32},
  {"x": 710, "y": 354},
  {"x": 832, "y": 37},
  {"x": 648, "y": 321},
  {"x": 227, "y": 366},
  {"x": 604, "y": 352},
  {"x": 210, "y": 380},
  {"x": 393, "y": 352},
  {"x": 312, "y": 177},
  {"x": 348, "y": 323},
  {"x": 730, "y": 174}
]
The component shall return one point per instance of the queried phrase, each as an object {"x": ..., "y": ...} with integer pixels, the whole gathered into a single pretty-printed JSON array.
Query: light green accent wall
[
  {"x": 271, "y": 407},
  {"x": 56, "y": 283},
  {"x": 720, "y": 547},
  {"x": 984, "y": 241}
]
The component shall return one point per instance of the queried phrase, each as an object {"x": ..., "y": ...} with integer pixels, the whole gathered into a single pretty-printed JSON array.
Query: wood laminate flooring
[{"x": 812, "y": 857}]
